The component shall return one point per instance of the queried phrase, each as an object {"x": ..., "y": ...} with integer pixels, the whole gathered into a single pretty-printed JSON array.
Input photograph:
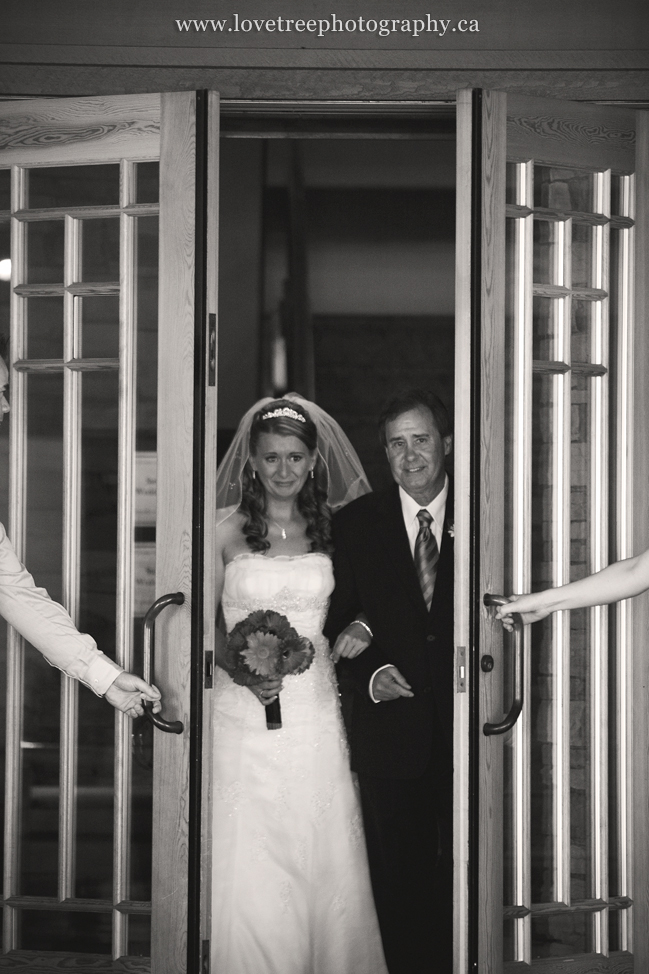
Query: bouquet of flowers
[{"x": 262, "y": 646}]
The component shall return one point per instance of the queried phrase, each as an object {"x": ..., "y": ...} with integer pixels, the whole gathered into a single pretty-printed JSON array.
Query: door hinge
[
  {"x": 460, "y": 662},
  {"x": 209, "y": 669},
  {"x": 205, "y": 957}
]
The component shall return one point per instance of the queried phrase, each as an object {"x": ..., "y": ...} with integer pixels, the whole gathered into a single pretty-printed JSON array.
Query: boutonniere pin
[{"x": 451, "y": 530}]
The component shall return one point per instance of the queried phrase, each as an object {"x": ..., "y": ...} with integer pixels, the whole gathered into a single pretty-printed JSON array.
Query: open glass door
[
  {"x": 545, "y": 303},
  {"x": 107, "y": 463}
]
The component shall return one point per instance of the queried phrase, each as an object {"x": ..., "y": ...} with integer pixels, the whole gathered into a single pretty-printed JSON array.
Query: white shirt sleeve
[
  {"x": 48, "y": 627},
  {"x": 384, "y": 667}
]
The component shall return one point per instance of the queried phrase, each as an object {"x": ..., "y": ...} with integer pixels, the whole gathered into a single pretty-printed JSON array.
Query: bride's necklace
[{"x": 283, "y": 530}]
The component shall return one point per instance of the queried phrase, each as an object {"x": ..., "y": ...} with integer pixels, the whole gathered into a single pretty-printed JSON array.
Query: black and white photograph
[{"x": 324, "y": 453}]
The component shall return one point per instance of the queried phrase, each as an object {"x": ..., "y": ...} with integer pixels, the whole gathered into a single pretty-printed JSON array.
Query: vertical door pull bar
[
  {"x": 519, "y": 672},
  {"x": 176, "y": 598}
]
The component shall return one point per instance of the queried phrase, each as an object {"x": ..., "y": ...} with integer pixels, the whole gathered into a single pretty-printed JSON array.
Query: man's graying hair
[{"x": 409, "y": 399}]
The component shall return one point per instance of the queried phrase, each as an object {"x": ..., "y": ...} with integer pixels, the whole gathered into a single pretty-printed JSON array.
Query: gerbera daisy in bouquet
[{"x": 265, "y": 645}]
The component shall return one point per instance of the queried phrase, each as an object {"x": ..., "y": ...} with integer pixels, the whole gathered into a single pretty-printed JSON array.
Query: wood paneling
[
  {"x": 462, "y": 513},
  {"x": 210, "y": 605},
  {"x": 544, "y": 130},
  {"x": 36, "y": 962},
  {"x": 267, "y": 82},
  {"x": 174, "y": 528},
  {"x": 491, "y": 281},
  {"x": 617, "y": 963},
  {"x": 42, "y": 133},
  {"x": 219, "y": 57}
]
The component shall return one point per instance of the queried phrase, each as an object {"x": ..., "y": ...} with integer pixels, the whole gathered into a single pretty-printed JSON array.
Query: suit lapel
[{"x": 393, "y": 535}]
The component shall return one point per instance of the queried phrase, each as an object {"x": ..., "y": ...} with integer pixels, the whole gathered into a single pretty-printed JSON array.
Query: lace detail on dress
[
  {"x": 356, "y": 833},
  {"x": 285, "y": 895},
  {"x": 232, "y": 795},
  {"x": 284, "y": 601}
]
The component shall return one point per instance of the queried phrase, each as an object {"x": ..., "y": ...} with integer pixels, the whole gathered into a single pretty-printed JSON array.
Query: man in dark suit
[{"x": 393, "y": 564}]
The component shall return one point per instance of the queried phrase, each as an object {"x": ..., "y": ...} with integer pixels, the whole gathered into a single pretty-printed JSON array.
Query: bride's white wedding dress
[{"x": 291, "y": 891}]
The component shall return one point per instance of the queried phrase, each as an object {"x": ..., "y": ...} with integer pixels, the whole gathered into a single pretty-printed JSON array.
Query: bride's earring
[
  {"x": 311, "y": 473},
  {"x": 254, "y": 474}
]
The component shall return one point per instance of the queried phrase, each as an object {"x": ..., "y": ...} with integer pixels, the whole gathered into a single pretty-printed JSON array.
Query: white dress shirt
[
  {"x": 48, "y": 627},
  {"x": 410, "y": 508}
]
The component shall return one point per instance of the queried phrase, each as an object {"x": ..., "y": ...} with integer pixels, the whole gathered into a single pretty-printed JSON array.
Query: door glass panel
[
  {"x": 99, "y": 325},
  {"x": 620, "y": 196},
  {"x": 560, "y": 936},
  {"x": 139, "y": 936},
  {"x": 582, "y": 255},
  {"x": 546, "y": 314},
  {"x": 45, "y": 252},
  {"x": 148, "y": 182},
  {"x": 97, "y": 615},
  {"x": 511, "y": 184},
  {"x": 581, "y": 509},
  {"x": 74, "y": 186},
  {"x": 563, "y": 189},
  {"x": 546, "y": 393},
  {"x": 548, "y": 267},
  {"x": 5, "y": 189},
  {"x": 44, "y": 327},
  {"x": 73, "y": 932},
  {"x": 100, "y": 250},
  {"x": 580, "y": 330},
  {"x": 41, "y": 716}
]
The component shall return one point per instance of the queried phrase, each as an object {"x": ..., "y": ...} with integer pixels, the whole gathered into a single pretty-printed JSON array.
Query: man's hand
[
  {"x": 388, "y": 684},
  {"x": 351, "y": 642},
  {"x": 127, "y": 692}
]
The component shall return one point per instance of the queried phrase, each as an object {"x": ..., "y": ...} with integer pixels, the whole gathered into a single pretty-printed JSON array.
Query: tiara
[{"x": 285, "y": 411}]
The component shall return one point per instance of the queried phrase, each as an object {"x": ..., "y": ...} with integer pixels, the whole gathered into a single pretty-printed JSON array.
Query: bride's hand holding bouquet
[{"x": 260, "y": 650}]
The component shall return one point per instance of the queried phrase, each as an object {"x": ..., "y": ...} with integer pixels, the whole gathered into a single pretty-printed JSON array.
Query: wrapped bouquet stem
[{"x": 264, "y": 646}]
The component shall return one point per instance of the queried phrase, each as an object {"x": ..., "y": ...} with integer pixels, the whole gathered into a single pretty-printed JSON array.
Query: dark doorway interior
[{"x": 336, "y": 275}]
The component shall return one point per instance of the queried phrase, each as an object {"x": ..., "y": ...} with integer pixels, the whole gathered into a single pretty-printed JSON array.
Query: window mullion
[
  {"x": 71, "y": 558},
  {"x": 125, "y": 550}
]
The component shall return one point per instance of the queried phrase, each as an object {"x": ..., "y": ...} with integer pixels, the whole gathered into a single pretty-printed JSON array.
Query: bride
[{"x": 291, "y": 891}]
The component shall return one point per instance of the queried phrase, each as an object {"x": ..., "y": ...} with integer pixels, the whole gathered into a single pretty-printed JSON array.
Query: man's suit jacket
[{"x": 375, "y": 574}]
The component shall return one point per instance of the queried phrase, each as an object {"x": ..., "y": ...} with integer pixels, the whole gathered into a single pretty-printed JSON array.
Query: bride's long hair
[{"x": 312, "y": 499}]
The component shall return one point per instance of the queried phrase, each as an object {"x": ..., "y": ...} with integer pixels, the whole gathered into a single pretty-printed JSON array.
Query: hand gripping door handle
[
  {"x": 519, "y": 672},
  {"x": 176, "y": 598}
]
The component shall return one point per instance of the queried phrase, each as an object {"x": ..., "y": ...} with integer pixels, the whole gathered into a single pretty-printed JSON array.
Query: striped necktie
[{"x": 426, "y": 556}]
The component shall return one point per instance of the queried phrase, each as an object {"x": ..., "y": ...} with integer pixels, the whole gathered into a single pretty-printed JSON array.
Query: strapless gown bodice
[
  {"x": 297, "y": 586},
  {"x": 290, "y": 884}
]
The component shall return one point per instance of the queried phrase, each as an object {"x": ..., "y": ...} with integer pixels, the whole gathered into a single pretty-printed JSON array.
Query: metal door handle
[
  {"x": 176, "y": 598},
  {"x": 519, "y": 672}
]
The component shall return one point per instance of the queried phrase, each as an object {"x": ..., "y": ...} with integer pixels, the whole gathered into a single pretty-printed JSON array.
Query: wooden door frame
[
  {"x": 480, "y": 305},
  {"x": 188, "y": 328}
]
